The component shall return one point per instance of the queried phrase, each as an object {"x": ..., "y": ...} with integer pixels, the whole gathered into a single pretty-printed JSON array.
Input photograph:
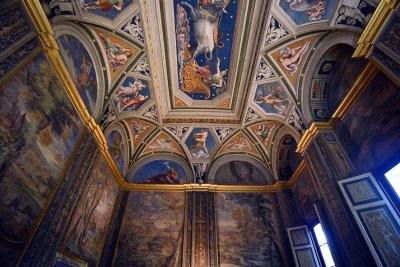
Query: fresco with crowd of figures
[
  {"x": 239, "y": 214},
  {"x": 378, "y": 115},
  {"x": 38, "y": 131},
  {"x": 152, "y": 230},
  {"x": 87, "y": 231}
]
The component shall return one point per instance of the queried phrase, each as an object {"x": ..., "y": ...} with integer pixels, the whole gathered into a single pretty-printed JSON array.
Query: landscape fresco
[
  {"x": 306, "y": 195},
  {"x": 377, "y": 113},
  {"x": 240, "y": 172},
  {"x": 81, "y": 69},
  {"x": 152, "y": 230},
  {"x": 88, "y": 228},
  {"x": 160, "y": 172},
  {"x": 204, "y": 40},
  {"x": 239, "y": 214},
  {"x": 116, "y": 147},
  {"x": 38, "y": 131}
]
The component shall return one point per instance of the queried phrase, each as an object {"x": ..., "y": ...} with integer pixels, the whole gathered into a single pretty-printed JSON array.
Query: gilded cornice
[
  {"x": 47, "y": 38},
  {"x": 344, "y": 107},
  {"x": 279, "y": 185},
  {"x": 383, "y": 11}
]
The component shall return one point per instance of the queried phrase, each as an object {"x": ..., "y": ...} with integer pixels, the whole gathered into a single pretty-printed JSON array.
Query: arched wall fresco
[
  {"x": 118, "y": 146},
  {"x": 81, "y": 59},
  {"x": 239, "y": 170},
  {"x": 160, "y": 169}
]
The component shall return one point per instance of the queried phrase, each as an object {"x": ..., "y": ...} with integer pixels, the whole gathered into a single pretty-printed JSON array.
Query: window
[
  {"x": 393, "y": 176},
  {"x": 323, "y": 246}
]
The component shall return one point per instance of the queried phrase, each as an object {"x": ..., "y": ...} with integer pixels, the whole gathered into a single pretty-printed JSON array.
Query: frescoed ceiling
[{"x": 201, "y": 79}]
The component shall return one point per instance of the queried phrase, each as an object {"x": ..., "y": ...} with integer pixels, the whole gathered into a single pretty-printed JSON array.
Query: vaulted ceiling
[{"x": 201, "y": 80}]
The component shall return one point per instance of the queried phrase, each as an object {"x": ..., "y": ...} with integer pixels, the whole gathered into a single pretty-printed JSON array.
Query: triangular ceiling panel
[
  {"x": 163, "y": 143},
  {"x": 239, "y": 143},
  {"x": 118, "y": 52}
]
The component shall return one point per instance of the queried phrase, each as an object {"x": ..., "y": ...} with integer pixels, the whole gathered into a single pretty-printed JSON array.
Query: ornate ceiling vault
[{"x": 198, "y": 82}]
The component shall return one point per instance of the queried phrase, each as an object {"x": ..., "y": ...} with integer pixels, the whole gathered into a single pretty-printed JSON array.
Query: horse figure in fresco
[{"x": 206, "y": 17}]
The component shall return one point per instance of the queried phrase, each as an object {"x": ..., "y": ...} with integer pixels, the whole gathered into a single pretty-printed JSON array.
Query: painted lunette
[
  {"x": 344, "y": 107},
  {"x": 48, "y": 41},
  {"x": 381, "y": 14}
]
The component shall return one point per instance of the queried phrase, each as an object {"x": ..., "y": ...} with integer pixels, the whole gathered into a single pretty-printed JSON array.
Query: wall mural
[
  {"x": 204, "y": 37},
  {"x": 38, "y": 131},
  {"x": 305, "y": 194},
  {"x": 378, "y": 115},
  {"x": 131, "y": 95},
  {"x": 304, "y": 11},
  {"x": 88, "y": 228},
  {"x": 152, "y": 230},
  {"x": 106, "y": 8},
  {"x": 200, "y": 143},
  {"x": 272, "y": 98},
  {"x": 240, "y": 172},
  {"x": 81, "y": 69},
  {"x": 239, "y": 214},
  {"x": 116, "y": 147},
  {"x": 160, "y": 172}
]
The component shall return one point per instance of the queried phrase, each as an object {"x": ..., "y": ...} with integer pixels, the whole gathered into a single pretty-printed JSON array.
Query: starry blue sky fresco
[{"x": 226, "y": 27}]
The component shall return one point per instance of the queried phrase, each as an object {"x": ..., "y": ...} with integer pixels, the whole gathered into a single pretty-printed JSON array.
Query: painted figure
[
  {"x": 291, "y": 57},
  {"x": 129, "y": 97},
  {"x": 116, "y": 148},
  {"x": 195, "y": 77},
  {"x": 104, "y": 5},
  {"x": 199, "y": 149},
  {"x": 275, "y": 99},
  {"x": 315, "y": 10},
  {"x": 170, "y": 177},
  {"x": 117, "y": 55},
  {"x": 83, "y": 76}
]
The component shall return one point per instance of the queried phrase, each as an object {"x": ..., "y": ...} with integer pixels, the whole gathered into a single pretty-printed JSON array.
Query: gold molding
[
  {"x": 363, "y": 80},
  {"x": 382, "y": 12},
  {"x": 48, "y": 41}
]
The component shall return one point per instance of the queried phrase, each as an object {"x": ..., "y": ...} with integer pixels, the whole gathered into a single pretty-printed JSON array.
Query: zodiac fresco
[
  {"x": 291, "y": 57},
  {"x": 117, "y": 55},
  {"x": 80, "y": 67},
  {"x": 105, "y": 8},
  {"x": 204, "y": 33},
  {"x": 303, "y": 11},
  {"x": 272, "y": 98},
  {"x": 160, "y": 172},
  {"x": 199, "y": 143},
  {"x": 131, "y": 95}
]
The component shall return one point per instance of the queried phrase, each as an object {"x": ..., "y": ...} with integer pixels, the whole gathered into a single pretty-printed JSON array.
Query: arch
[
  {"x": 258, "y": 173},
  {"x": 161, "y": 160},
  {"x": 332, "y": 40},
  {"x": 71, "y": 29}
]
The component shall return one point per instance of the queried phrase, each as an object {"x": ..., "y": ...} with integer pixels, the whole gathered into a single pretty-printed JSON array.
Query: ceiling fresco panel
[
  {"x": 272, "y": 98},
  {"x": 131, "y": 95},
  {"x": 200, "y": 143},
  {"x": 204, "y": 38},
  {"x": 306, "y": 11},
  {"x": 109, "y": 9}
]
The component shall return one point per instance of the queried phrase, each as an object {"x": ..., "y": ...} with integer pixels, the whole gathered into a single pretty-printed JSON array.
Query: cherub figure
[{"x": 291, "y": 57}]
